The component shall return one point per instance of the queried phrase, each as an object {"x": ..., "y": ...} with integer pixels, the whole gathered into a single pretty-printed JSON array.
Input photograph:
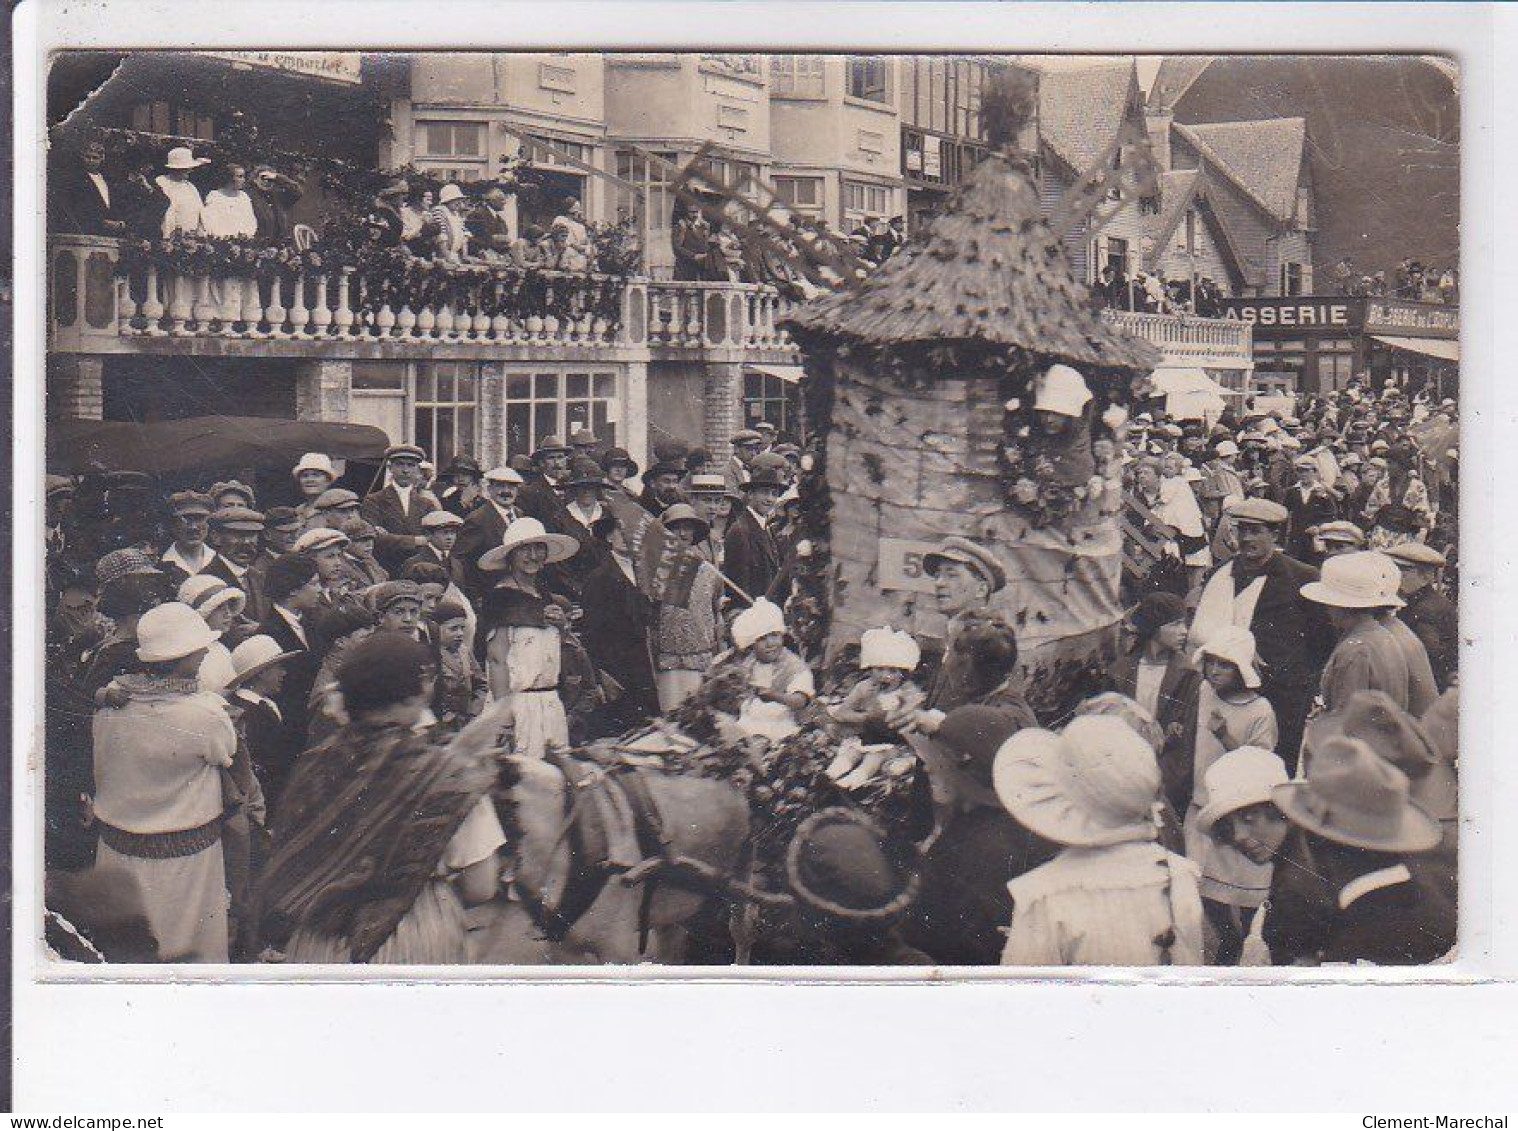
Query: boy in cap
[{"x": 441, "y": 529}]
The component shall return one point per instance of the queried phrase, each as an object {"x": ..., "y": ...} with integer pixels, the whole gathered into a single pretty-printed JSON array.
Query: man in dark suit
[
  {"x": 294, "y": 592},
  {"x": 235, "y": 533},
  {"x": 1260, "y": 589},
  {"x": 1309, "y": 505},
  {"x": 484, "y": 527},
  {"x": 492, "y": 227},
  {"x": 84, "y": 199},
  {"x": 398, "y": 507},
  {"x": 618, "y": 630},
  {"x": 539, "y": 496},
  {"x": 461, "y": 491},
  {"x": 1429, "y": 613},
  {"x": 1362, "y": 843},
  {"x": 750, "y": 557}
]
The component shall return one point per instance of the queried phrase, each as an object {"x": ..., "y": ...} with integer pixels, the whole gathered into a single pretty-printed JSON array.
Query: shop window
[
  {"x": 868, "y": 79},
  {"x": 771, "y": 398},
  {"x": 798, "y": 76},
  {"x": 541, "y": 404}
]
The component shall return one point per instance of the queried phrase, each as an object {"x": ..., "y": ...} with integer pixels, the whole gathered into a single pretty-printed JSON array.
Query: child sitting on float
[
  {"x": 781, "y": 682},
  {"x": 887, "y": 658}
]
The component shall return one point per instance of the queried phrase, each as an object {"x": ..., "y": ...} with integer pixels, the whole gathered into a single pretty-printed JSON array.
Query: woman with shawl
[{"x": 383, "y": 838}]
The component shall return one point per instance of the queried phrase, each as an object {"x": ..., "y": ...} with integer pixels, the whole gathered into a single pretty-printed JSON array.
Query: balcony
[
  {"x": 1209, "y": 343},
  {"x": 476, "y": 312}
]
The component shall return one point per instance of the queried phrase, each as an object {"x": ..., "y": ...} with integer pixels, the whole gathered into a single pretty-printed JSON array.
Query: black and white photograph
[{"x": 718, "y": 510}]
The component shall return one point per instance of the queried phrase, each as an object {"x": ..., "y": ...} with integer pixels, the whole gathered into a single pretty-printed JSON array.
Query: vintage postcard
[{"x": 748, "y": 510}]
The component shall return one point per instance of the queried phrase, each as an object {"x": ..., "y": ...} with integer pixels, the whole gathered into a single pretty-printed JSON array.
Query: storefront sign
[
  {"x": 1388, "y": 314},
  {"x": 337, "y": 66},
  {"x": 1305, "y": 312},
  {"x": 900, "y": 565}
]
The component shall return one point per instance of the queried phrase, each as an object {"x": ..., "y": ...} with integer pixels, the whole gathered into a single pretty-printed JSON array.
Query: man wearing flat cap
[
  {"x": 1429, "y": 613},
  {"x": 747, "y": 444},
  {"x": 441, "y": 530},
  {"x": 397, "y": 508},
  {"x": 189, "y": 553},
  {"x": 235, "y": 533},
  {"x": 1260, "y": 589}
]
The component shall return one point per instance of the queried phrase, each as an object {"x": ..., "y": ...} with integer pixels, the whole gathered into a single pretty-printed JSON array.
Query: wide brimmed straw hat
[
  {"x": 1240, "y": 778},
  {"x": 205, "y": 593},
  {"x": 758, "y": 620},
  {"x": 1353, "y": 797},
  {"x": 528, "y": 532},
  {"x": 172, "y": 631},
  {"x": 180, "y": 157},
  {"x": 1363, "y": 580},
  {"x": 1062, "y": 390},
  {"x": 255, "y": 655},
  {"x": 1091, "y": 786},
  {"x": 1235, "y": 645}
]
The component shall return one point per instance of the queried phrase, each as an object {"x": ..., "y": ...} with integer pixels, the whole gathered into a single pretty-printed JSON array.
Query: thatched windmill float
[{"x": 970, "y": 387}]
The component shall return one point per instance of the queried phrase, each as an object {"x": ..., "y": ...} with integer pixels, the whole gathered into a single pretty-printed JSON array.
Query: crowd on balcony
[
  {"x": 191, "y": 197},
  {"x": 1147, "y": 293},
  {"x": 1412, "y": 281}
]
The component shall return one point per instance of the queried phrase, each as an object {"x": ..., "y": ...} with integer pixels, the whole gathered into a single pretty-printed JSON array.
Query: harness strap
[
  {"x": 653, "y": 842},
  {"x": 589, "y": 851}
]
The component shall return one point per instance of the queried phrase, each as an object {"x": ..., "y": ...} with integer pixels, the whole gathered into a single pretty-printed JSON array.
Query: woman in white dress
[{"x": 522, "y": 626}]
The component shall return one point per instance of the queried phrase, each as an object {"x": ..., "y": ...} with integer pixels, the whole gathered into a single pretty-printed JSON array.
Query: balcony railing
[
  {"x": 1183, "y": 337},
  {"x": 95, "y": 306}
]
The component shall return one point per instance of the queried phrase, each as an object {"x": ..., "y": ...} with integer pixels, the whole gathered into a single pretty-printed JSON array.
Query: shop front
[{"x": 1319, "y": 343}]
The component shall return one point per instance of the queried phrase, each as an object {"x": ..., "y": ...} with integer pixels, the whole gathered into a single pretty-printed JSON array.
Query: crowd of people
[
  {"x": 193, "y": 196},
  {"x": 1147, "y": 293},
  {"x": 271, "y": 727},
  {"x": 1412, "y": 280}
]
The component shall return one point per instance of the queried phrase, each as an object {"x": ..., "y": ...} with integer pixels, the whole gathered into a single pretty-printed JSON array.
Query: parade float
[{"x": 968, "y": 387}]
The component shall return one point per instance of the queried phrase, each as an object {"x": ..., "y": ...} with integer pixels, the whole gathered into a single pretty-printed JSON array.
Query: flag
[{"x": 664, "y": 567}]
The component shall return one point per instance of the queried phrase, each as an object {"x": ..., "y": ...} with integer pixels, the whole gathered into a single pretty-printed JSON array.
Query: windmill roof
[
  {"x": 1080, "y": 111},
  {"x": 1264, "y": 157},
  {"x": 988, "y": 270}
]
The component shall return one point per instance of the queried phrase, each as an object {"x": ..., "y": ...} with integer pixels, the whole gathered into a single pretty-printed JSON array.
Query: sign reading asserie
[{"x": 1303, "y": 312}]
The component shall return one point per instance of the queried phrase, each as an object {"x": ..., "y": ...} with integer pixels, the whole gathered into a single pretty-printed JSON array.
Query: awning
[
  {"x": 1189, "y": 393},
  {"x": 790, "y": 374},
  {"x": 1442, "y": 348}
]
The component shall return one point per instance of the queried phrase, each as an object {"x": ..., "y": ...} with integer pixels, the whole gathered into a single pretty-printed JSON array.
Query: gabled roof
[
  {"x": 1179, "y": 190},
  {"x": 1081, "y": 110},
  {"x": 989, "y": 270},
  {"x": 1263, "y": 158},
  {"x": 1174, "y": 79}
]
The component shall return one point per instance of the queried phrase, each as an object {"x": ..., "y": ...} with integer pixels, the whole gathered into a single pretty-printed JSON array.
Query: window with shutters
[
  {"x": 869, "y": 79},
  {"x": 797, "y": 76}
]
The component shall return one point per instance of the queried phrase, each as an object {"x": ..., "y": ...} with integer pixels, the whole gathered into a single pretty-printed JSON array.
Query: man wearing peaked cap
[
  {"x": 747, "y": 443},
  {"x": 397, "y": 508},
  {"x": 441, "y": 530},
  {"x": 1260, "y": 589},
  {"x": 189, "y": 554},
  {"x": 236, "y": 533},
  {"x": 1428, "y": 612}
]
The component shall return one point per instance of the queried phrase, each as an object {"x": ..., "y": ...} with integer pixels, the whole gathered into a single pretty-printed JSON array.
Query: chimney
[{"x": 1157, "y": 122}]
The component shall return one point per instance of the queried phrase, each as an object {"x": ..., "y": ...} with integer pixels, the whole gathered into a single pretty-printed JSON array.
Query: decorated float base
[{"x": 907, "y": 467}]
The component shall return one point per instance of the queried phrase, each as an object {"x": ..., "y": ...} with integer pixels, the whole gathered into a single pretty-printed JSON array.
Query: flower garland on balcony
[{"x": 390, "y": 277}]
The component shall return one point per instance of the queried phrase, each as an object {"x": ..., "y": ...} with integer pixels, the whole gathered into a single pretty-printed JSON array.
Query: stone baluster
[
  {"x": 384, "y": 320},
  {"x": 274, "y": 313},
  {"x": 204, "y": 309},
  {"x": 426, "y": 321},
  {"x": 342, "y": 318},
  {"x": 693, "y": 315},
  {"x": 152, "y": 305},
  {"x": 321, "y": 313},
  {"x": 251, "y": 311},
  {"x": 405, "y": 322},
  {"x": 300, "y": 315},
  {"x": 180, "y": 308}
]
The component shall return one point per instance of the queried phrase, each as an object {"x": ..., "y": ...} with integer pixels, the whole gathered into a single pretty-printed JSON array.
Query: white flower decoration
[
  {"x": 1115, "y": 417},
  {"x": 1013, "y": 404},
  {"x": 804, "y": 548}
]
